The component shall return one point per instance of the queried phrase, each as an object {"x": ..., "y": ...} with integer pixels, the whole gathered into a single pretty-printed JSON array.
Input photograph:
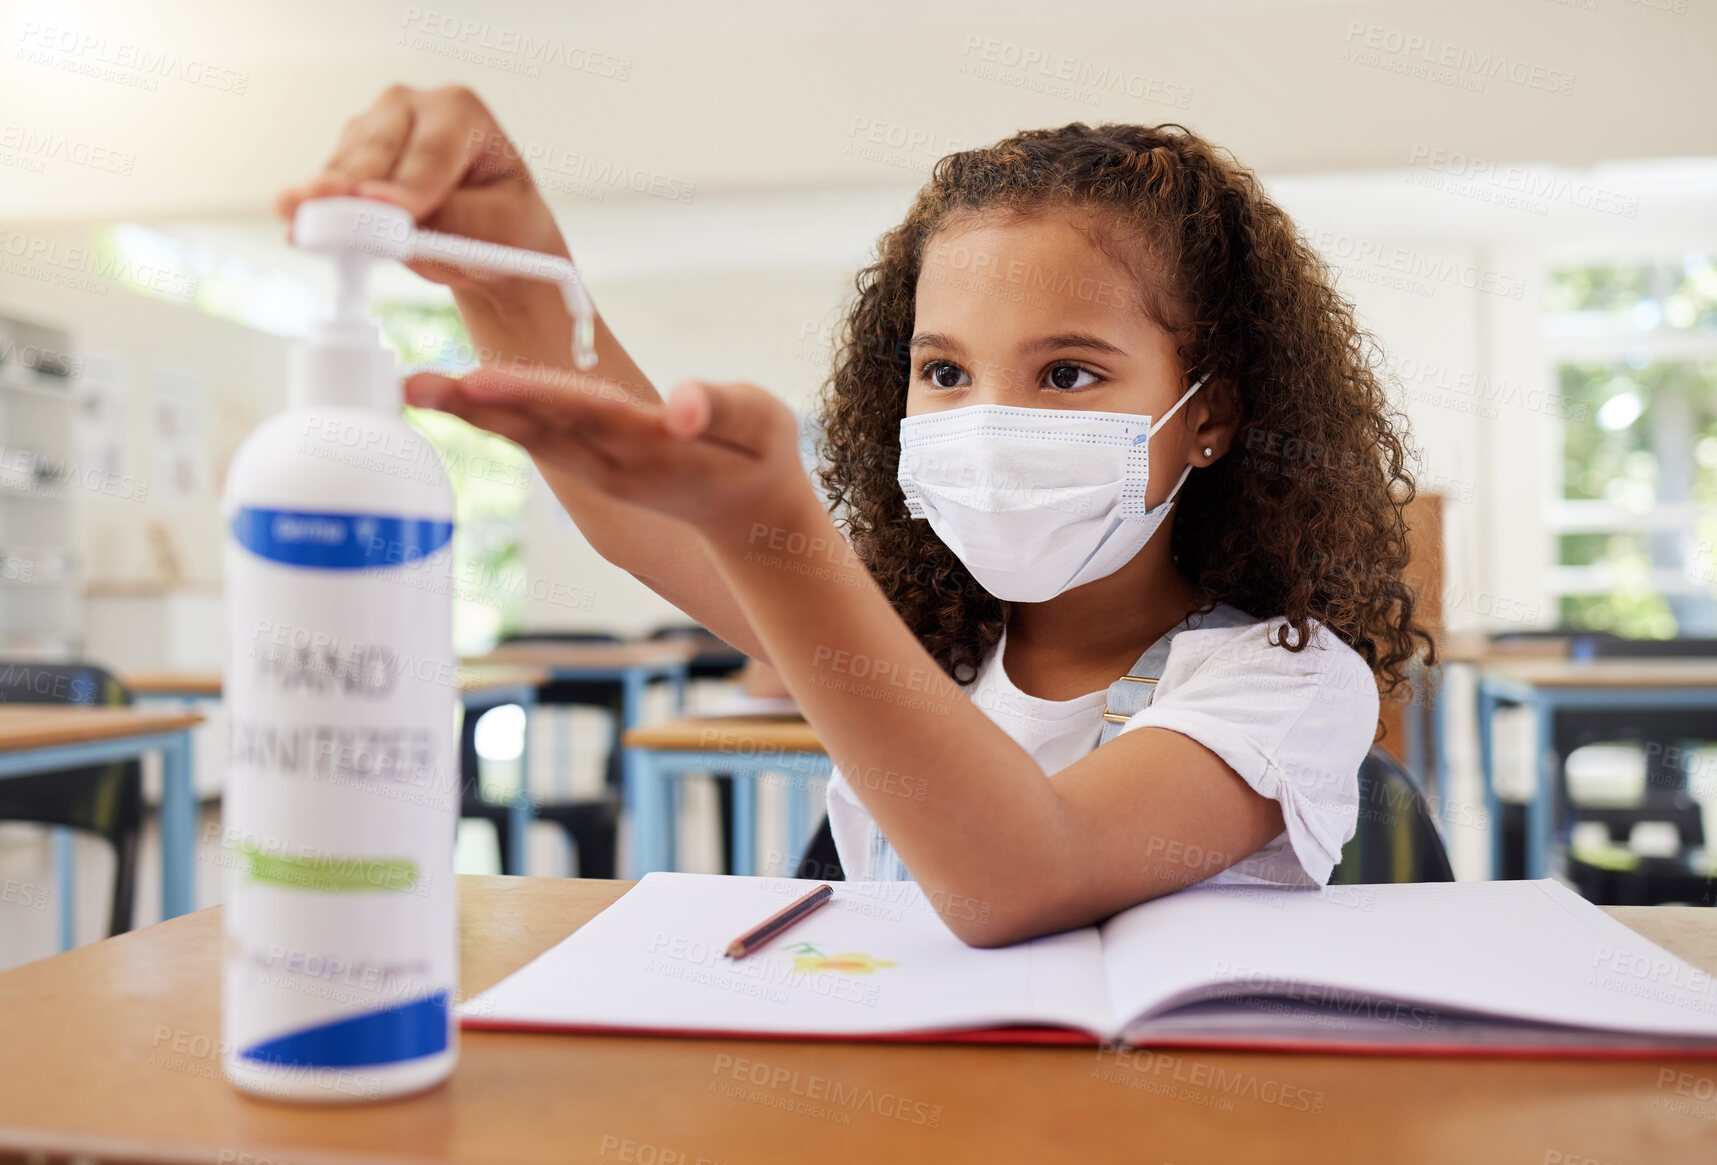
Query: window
[{"x": 1634, "y": 515}]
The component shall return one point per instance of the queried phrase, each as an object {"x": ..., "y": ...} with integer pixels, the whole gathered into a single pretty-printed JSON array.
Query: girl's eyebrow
[
  {"x": 1043, "y": 344},
  {"x": 1073, "y": 340},
  {"x": 936, "y": 340}
]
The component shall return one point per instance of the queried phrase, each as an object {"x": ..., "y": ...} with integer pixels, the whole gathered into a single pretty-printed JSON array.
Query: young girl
[{"x": 1094, "y": 397}]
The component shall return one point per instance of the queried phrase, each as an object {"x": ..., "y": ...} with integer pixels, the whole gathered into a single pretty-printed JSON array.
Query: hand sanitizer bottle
[{"x": 342, "y": 797}]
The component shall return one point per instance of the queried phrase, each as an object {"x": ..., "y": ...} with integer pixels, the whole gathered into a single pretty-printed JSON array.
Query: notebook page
[
  {"x": 1526, "y": 950},
  {"x": 876, "y": 960}
]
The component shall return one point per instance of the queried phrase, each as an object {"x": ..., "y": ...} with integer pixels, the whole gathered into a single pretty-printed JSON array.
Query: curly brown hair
[{"x": 1304, "y": 523}]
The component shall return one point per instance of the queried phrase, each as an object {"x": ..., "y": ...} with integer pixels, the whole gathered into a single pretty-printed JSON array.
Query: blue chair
[{"x": 1396, "y": 837}]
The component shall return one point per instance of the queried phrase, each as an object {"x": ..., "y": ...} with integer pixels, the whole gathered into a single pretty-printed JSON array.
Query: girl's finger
[
  {"x": 370, "y": 144},
  {"x": 581, "y": 405},
  {"x": 427, "y": 390},
  {"x": 737, "y": 417},
  {"x": 436, "y": 154},
  {"x": 531, "y": 411},
  {"x": 688, "y": 410}
]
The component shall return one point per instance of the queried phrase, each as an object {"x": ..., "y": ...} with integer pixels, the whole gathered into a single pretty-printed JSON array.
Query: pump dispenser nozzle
[{"x": 355, "y": 230}]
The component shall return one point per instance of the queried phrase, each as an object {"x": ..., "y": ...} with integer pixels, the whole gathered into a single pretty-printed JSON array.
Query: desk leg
[
  {"x": 642, "y": 793},
  {"x": 1487, "y": 706},
  {"x": 178, "y": 827},
  {"x": 65, "y": 883},
  {"x": 651, "y": 821},
  {"x": 744, "y": 819},
  {"x": 1540, "y": 811},
  {"x": 522, "y": 809},
  {"x": 677, "y": 683}
]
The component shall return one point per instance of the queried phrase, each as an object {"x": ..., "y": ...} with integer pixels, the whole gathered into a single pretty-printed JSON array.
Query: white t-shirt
[{"x": 1293, "y": 724}]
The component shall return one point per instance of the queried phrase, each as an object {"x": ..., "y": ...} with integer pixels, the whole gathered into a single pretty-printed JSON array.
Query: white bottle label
[{"x": 342, "y": 794}]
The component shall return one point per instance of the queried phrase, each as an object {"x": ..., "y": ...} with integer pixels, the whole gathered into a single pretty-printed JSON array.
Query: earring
[{"x": 1207, "y": 450}]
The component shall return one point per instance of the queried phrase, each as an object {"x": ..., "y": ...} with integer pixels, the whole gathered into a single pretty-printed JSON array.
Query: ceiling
[{"x": 199, "y": 110}]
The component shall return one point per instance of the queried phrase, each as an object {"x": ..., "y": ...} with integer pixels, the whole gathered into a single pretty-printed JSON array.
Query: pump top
[{"x": 355, "y": 232}]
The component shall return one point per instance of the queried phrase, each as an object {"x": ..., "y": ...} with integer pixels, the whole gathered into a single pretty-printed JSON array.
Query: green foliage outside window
[
  {"x": 1638, "y": 411},
  {"x": 491, "y": 483}
]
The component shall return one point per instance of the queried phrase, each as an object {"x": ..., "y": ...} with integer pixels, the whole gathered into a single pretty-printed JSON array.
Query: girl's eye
[
  {"x": 945, "y": 375},
  {"x": 1067, "y": 376}
]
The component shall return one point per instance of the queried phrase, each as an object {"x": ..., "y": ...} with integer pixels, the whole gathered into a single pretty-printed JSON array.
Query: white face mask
[{"x": 1034, "y": 502}]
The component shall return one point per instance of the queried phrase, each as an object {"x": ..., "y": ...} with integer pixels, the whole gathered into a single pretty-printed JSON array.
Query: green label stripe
[{"x": 330, "y": 875}]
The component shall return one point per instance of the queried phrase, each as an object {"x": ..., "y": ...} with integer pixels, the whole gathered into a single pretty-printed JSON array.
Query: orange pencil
[{"x": 779, "y": 921}]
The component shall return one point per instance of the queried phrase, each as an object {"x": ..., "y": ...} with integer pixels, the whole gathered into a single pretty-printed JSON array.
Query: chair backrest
[
  {"x": 561, "y": 637},
  {"x": 671, "y": 631},
  {"x": 1536, "y": 634},
  {"x": 1612, "y": 647},
  {"x": 1396, "y": 838},
  {"x": 716, "y": 658},
  {"x": 30, "y": 682},
  {"x": 105, "y": 799}
]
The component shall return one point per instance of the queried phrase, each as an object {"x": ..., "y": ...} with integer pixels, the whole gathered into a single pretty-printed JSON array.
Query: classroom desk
[
  {"x": 633, "y": 666},
  {"x": 475, "y": 678},
  {"x": 173, "y": 685},
  {"x": 113, "y": 1052},
  {"x": 45, "y": 738},
  {"x": 1551, "y": 687},
  {"x": 745, "y": 748}
]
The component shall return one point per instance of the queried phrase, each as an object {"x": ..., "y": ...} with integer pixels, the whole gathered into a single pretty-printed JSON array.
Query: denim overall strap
[
  {"x": 1128, "y": 695},
  {"x": 1133, "y": 692}
]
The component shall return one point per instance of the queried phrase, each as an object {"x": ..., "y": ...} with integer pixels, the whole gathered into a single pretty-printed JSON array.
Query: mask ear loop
[
  {"x": 1184, "y": 397},
  {"x": 1163, "y": 420}
]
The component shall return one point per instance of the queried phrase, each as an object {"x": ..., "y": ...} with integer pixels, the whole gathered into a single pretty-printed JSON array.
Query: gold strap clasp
[{"x": 1117, "y": 717}]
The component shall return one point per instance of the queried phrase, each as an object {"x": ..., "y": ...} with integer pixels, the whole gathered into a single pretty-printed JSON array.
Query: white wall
[{"x": 244, "y": 371}]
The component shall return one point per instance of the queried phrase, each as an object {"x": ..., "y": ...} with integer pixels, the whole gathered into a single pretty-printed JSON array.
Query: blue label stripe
[
  {"x": 405, "y": 1032},
  {"x": 324, "y": 541}
]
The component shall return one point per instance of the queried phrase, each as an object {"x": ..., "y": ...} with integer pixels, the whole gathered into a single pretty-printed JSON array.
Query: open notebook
[{"x": 1481, "y": 967}]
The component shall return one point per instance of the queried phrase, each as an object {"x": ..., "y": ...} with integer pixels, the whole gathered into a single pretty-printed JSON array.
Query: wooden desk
[
  {"x": 187, "y": 685},
  {"x": 607, "y": 658},
  {"x": 1550, "y": 687},
  {"x": 34, "y": 726},
  {"x": 112, "y": 1050},
  {"x": 749, "y": 733},
  {"x": 490, "y": 679},
  {"x": 47, "y": 738},
  {"x": 1606, "y": 673},
  {"x": 744, "y": 749},
  {"x": 473, "y": 678}
]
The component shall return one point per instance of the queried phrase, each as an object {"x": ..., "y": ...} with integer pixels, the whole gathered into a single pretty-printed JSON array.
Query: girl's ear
[{"x": 1218, "y": 422}]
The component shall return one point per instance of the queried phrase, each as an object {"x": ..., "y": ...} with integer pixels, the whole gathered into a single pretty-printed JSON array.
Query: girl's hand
[
  {"x": 722, "y": 457},
  {"x": 441, "y": 155}
]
